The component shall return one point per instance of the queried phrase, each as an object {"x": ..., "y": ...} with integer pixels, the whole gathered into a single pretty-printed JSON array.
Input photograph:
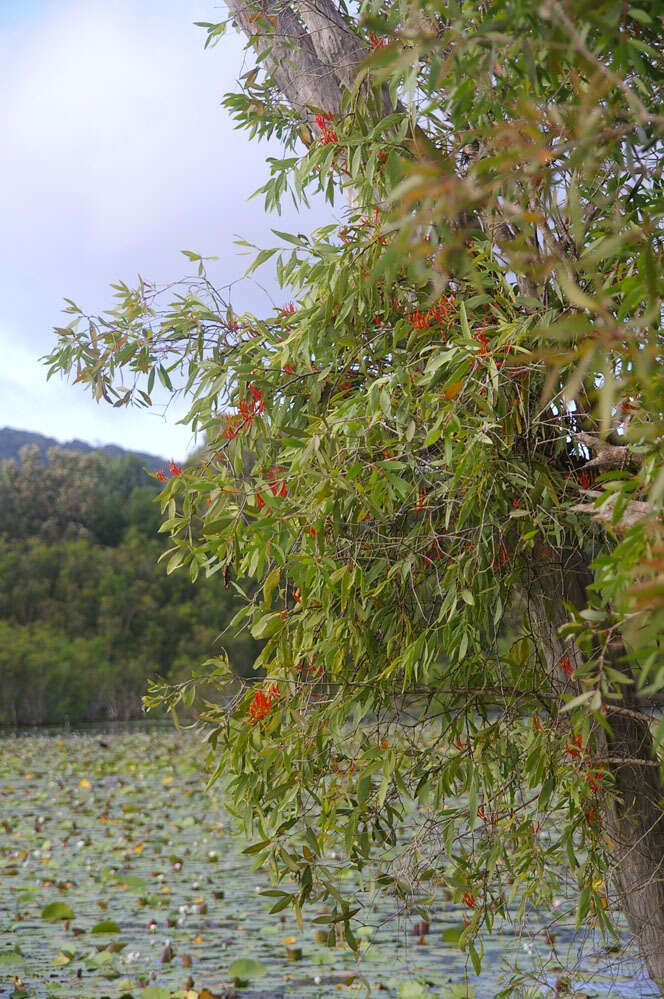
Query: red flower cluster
[
  {"x": 174, "y": 468},
  {"x": 628, "y": 405},
  {"x": 469, "y": 900},
  {"x": 231, "y": 425},
  {"x": 585, "y": 480},
  {"x": 277, "y": 485},
  {"x": 234, "y": 423},
  {"x": 262, "y": 702},
  {"x": 483, "y": 341},
  {"x": 309, "y": 669},
  {"x": 327, "y": 134},
  {"x": 593, "y": 780},
  {"x": 575, "y": 747},
  {"x": 566, "y": 665},
  {"x": 438, "y": 314},
  {"x": 288, "y": 310},
  {"x": 377, "y": 42}
]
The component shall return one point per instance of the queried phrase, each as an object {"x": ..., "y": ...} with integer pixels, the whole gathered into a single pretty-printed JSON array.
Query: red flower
[
  {"x": 628, "y": 406},
  {"x": 469, "y": 900},
  {"x": 591, "y": 816},
  {"x": 575, "y": 748},
  {"x": 566, "y": 665},
  {"x": 231, "y": 425},
  {"x": 160, "y": 475},
  {"x": 437, "y": 314},
  {"x": 585, "y": 480},
  {"x": 377, "y": 42},
  {"x": 278, "y": 486},
  {"x": 174, "y": 468},
  {"x": 483, "y": 340},
  {"x": 260, "y": 502},
  {"x": 257, "y": 403},
  {"x": 328, "y": 134},
  {"x": 260, "y": 706},
  {"x": 262, "y": 702}
]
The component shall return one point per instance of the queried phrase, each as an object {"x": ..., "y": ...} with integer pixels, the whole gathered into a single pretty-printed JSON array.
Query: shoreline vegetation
[{"x": 87, "y": 615}]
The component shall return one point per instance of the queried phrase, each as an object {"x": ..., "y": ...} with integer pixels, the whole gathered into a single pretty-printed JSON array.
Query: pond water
[{"x": 120, "y": 875}]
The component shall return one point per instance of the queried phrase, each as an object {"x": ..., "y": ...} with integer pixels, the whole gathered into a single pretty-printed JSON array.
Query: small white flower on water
[
  {"x": 257, "y": 888},
  {"x": 557, "y": 903},
  {"x": 527, "y": 947},
  {"x": 196, "y": 884},
  {"x": 80, "y": 843},
  {"x": 177, "y": 865},
  {"x": 333, "y": 856},
  {"x": 160, "y": 877},
  {"x": 132, "y": 955},
  {"x": 182, "y": 920},
  {"x": 36, "y": 853},
  {"x": 170, "y": 843},
  {"x": 317, "y": 980}
]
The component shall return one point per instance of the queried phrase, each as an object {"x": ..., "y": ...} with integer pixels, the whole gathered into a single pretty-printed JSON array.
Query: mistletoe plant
[{"x": 436, "y": 475}]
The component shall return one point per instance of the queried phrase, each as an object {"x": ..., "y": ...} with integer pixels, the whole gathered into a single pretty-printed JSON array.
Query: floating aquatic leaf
[
  {"x": 244, "y": 970},
  {"x": 106, "y": 927},
  {"x": 412, "y": 989},
  {"x": 57, "y": 910}
]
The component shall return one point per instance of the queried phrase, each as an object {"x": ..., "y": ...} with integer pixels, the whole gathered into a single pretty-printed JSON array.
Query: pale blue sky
[{"x": 116, "y": 156}]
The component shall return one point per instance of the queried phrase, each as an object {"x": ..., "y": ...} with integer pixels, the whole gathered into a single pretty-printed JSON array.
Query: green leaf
[
  {"x": 56, "y": 911},
  {"x": 105, "y": 927},
  {"x": 245, "y": 969}
]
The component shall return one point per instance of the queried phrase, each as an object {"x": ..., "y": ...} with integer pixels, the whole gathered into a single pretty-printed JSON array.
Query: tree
[{"x": 443, "y": 466}]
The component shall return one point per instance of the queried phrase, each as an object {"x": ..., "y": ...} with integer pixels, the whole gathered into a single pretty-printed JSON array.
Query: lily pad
[
  {"x": 244, "y": 970},
  {"x": 57, "y": 910},
  {"x": 106, "y": 927}
]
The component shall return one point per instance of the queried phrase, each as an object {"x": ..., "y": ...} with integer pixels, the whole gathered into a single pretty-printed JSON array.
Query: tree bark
[
  {"x": 313, "y": 56},
  {"x": 632, "y": 811}
]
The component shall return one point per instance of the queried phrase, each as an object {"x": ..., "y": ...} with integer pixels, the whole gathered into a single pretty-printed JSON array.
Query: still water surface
[{"x": 114, "y": 822}]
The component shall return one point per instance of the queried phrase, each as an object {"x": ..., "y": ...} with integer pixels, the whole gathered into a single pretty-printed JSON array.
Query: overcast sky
[{"x": 116, "y": 156}]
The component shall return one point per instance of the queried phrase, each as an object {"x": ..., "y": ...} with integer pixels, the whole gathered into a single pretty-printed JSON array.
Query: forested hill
[
  {"x": 11, "y": 442},
  {"x": 86, "y": 613}
]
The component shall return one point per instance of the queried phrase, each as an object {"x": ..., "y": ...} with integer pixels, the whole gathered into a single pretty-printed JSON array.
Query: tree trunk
[
  {"x": 312, "y": 57},
  {"x": 633, "y": 811}
]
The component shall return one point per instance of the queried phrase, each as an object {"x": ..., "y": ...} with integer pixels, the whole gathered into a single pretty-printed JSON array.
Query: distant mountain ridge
[{"x": 11, "y": 442}]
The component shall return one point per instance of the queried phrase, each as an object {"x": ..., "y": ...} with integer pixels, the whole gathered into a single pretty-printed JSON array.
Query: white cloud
[{"x": 116, "y": 156}]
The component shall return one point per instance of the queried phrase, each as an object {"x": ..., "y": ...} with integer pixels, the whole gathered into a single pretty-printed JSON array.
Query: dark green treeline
[{"x": 86, "y": 614}]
